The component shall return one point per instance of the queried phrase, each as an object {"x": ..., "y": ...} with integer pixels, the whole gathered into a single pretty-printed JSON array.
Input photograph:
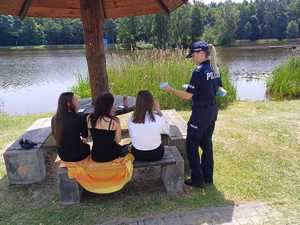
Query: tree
[
  {"x": 128, "y": 32},
  {"x": 210, "y": 35},
  {"x": 246, "y": 31},
  {"x": 197, "y": 20},
  {"x": 32, "y": 33},
  {"x": 254, "y": 28},
  {"x": 228, "y": 21},
  {"x": 159, "y": 31},
  {"x": 244, "y": 26},
  {"x": 292, "y": 29},
  {"x": 179, "y": 29},
  {"x": 110, "y": 31},
  {"x": 146, "y": 28}
]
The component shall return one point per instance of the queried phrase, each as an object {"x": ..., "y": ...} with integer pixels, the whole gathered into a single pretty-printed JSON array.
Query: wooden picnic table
[{"x": 86, "y": 107}]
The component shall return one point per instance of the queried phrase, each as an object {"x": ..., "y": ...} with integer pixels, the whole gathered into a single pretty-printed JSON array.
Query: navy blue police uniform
[{"x": 204, "y": 85}]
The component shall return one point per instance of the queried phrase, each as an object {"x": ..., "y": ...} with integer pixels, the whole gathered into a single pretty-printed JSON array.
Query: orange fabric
[{"x": 101, "y": 178}]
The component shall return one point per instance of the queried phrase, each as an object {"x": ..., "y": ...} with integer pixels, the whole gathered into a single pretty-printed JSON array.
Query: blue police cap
[{"x": 198, "y": 46}]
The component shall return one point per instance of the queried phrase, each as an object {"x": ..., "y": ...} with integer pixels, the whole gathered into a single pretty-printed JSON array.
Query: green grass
[
  {"x": 146, "y": 69},
  {"x": 285, "y": 82},
  {"x": 257, "y": 153}
]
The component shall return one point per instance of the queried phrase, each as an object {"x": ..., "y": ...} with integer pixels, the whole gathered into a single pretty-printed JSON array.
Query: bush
[
  {"x": 285, "y": 82},
  {"x": 145, "y": 70},
  {"x": 231, "y": 90},
  {"x": 292, "y": 29}
]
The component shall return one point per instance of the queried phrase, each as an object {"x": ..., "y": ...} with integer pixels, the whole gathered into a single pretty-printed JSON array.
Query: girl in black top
[
  {"x": 105, "y": 130},
  {"x": 70, "y": 129}
]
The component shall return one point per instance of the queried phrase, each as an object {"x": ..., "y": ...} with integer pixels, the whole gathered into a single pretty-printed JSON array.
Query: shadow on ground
[{"x": 144, "y": 196}]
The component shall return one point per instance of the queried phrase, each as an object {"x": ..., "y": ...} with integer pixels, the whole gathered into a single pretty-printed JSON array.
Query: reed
[
  {"x": 144, "y": 70},
  {"x": 285, "y": 82}
]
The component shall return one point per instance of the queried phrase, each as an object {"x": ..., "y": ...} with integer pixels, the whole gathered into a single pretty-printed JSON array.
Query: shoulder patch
[{"x": 198, "y": 68}]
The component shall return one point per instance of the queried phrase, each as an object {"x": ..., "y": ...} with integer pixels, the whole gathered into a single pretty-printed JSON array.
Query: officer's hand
[{"x": 168, "y": 89}]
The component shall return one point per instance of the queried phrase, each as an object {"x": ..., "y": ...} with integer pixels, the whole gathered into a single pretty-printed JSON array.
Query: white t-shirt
[{"x": 147, "y": 136}]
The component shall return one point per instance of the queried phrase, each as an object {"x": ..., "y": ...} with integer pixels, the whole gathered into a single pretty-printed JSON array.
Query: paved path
[{"x": 243, "y": 214}]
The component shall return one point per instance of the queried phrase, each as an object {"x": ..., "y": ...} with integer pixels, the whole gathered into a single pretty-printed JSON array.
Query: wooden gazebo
[{"x": 93, "y": 14}]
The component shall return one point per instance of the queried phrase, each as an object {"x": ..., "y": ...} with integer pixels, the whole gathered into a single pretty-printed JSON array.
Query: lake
[{"x": 31, "y": 80}]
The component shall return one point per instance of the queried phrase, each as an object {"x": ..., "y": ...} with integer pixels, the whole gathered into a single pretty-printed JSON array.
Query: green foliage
[
  {"x": 227, "y": 23},
  {"x": 221, "y": 24},
  {"x": 197, "y": 20},
  {"x": 293, "y": 29},
  {"x": 159, "y": 31},
  {"x": 247, "y": 10},
  {"x": 180, "y": 27},
  {"x": 285, "y": 82},
  {"x": 145, "y": 70},
  {"x": 231, "y": 91},
  {"x": 128, "y": 32},
  {"x": 82, "y": 88},
  {"x": 210, "y": 35}
]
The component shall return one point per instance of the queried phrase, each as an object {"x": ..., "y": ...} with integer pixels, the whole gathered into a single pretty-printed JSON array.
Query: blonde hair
[{"x": 213, "y": 58}]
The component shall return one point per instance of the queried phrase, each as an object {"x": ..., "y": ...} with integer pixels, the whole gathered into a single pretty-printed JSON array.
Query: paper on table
[{"x": 163, "y": 85}]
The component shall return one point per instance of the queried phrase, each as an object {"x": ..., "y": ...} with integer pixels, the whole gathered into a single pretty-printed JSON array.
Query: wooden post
[{"x": 92, "y": 16}]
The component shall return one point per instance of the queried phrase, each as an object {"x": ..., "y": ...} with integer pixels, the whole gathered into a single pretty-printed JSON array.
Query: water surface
[{"x": 31, "y": 80}]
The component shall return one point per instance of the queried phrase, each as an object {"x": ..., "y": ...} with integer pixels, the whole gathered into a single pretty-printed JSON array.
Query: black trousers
[
  {"x": 199, "y": 134},
  {"x": 149, "y": 155}
]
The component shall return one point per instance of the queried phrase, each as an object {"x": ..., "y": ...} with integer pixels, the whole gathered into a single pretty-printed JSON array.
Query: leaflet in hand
[{"x": 163, "y": 85}]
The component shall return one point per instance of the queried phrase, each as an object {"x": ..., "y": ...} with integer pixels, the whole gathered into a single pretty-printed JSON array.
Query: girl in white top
[{"x": 145, "y": 128}]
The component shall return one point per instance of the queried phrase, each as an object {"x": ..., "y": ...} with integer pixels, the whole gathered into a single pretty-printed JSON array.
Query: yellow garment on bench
[{"x": 107, "y": 177}]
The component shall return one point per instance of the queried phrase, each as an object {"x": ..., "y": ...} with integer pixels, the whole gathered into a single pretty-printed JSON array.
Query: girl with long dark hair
[
  {"x": 145, "y": 128},
  {"x": 70, "y": 129},
  {"x": 105, "y": 129}
]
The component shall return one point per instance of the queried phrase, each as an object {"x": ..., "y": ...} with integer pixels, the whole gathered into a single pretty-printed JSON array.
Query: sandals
[{"x": 27, "y": 144}]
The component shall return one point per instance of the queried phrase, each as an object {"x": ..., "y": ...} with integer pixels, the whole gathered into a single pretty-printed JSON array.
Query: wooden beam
[
  {"x": 163, "y": 6},
  {"x": 24, "y": 9},
  {"x": 103, "y": 9},
  {"x": 93, "y": 25}
]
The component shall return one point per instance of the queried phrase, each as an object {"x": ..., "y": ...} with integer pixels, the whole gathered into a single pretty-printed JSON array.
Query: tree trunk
[{"x": 92, "y": 16}]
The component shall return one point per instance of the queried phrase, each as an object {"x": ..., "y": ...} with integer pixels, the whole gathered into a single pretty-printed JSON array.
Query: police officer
[{"x": 202, "y": 89}]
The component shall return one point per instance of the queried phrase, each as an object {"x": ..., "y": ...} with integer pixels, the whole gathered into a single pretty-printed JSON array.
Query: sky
[{"x": 217, "y": 1}]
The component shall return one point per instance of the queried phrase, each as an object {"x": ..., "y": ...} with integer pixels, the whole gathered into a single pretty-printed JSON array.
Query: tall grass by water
[
  {"x": 146, "y": 69},
  {"x": 285, "y": 82}
]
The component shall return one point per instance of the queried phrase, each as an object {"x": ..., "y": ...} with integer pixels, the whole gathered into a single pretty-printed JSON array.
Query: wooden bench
[
  {"x": 172, "y": 176},
  {"x": 28, "y": 166}
]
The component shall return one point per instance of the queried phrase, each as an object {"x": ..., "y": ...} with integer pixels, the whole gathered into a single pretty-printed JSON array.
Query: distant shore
[
  {"x": 245, "y": 44},
  {"x": 40, "y": 47}
]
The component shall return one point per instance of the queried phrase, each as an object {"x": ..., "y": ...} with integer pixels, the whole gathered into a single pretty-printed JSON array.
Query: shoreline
[
  {"x": 244, "y": 44},
  {"x": 43, "y": 47}
]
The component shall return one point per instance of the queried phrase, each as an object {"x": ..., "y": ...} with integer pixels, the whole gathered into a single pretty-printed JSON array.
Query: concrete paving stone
[
  {"x": 153, "y": 221},
  {"x": 257, "y": 219},
  {"x": 255, "y": 214},
  {"x": 244, "y": 221},
  {"x": 172, "y": 220},
  {"x": 133, "y": 223},
  {"x": 252, "y": 212},
  {"x": 189, "y": 219}
]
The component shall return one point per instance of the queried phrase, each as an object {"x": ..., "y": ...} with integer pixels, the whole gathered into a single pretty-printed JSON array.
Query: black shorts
[{"x": 148, "y": 155}]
